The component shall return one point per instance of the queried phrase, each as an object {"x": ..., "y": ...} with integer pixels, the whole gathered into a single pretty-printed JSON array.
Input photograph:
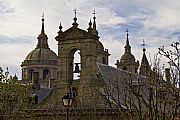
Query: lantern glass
[{"x": 67, "y": 100}]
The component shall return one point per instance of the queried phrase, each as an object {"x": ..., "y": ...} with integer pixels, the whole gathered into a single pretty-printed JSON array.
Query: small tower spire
[
  {"x": 145, "y": 67},
  {"x": 75, "y": 24}
]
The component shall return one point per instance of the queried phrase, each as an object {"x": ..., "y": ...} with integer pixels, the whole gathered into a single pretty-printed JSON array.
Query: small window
[
  {"x": 45, "y": 73},
  {"x": 124, "y": 68},
  {"x": 104, "y": 60}
]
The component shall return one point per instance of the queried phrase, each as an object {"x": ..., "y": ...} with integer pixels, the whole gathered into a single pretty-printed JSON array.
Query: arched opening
[
  {"x": 45, "y": 73},
  {"x": 76, "y": 65}
]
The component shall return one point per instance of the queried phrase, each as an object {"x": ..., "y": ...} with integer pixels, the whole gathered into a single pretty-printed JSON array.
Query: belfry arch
[{"x": 91, "y": 52}]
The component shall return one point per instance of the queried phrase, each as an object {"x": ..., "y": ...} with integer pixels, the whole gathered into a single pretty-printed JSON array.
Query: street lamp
[{"x": 67, "y": 102}]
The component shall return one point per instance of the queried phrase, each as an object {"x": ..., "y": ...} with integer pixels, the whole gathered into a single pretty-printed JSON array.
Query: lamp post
[{"x": 67, "y": 102}]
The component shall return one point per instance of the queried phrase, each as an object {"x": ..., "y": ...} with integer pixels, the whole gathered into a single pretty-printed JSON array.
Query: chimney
[{"x": 35, "y": 80}]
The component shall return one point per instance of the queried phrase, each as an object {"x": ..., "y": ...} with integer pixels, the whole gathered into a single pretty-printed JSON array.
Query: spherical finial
[
  {"x": 42, "y": 16},
  {"x": 94, "y": 12},
  {"x": 90, "y": 23},
  {"x": 143, "y": 44},
  {"x": 127, "y": 32},
  {"x": 60, "y": 26},
  {"x": 75, "y": 19}
]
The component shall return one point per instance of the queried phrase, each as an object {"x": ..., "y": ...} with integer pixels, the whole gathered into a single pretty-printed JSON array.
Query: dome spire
[
  {"x": 127, "y": 35},
  {"x": 42, "y": 29},
  {"x": 75, "y": 24},
  {"x": 42, "y": 38},
  {"x": 94, "y": 23},
  {"x": 127, "y": 46},
  {"x": 95, "y": 32}
]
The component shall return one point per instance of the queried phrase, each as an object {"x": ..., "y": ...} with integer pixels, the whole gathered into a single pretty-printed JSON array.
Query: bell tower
[{"x": 90, "y": 50}]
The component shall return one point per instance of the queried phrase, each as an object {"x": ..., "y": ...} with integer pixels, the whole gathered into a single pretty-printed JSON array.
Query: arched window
[
  {"x": 31, "y": 73},
  {"x": 104, "y": 60},
  {"x": 45, "y": 73},
  {"x": 77, "y": 65}
]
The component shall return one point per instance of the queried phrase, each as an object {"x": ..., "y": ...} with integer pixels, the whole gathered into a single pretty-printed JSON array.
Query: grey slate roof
[
  {"x": 42, "y": 93},
  {"x": 117, "y": 84}
]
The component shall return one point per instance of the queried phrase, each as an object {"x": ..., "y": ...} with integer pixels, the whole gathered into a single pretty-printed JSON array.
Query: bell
[{"x": 77, "y": 70}]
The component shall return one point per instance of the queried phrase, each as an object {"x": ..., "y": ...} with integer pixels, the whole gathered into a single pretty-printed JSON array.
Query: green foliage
[{"x": 14, "y": 99}]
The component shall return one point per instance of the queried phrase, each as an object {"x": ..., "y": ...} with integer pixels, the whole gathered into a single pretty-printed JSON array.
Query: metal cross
[
  {"x": 75, "y": 11},
  {"x": 42, "y": 14},
  {"x": 143, "y": 44},
  {"x": 94, "y": 12}
]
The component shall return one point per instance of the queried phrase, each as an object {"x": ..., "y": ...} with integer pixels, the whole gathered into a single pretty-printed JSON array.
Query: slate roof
[
  {"x": 117, "y": 84},
  {"x": 42, "y": 93}
]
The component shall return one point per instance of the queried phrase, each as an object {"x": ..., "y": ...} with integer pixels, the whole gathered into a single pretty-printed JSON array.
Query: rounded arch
[
  {"x": 74, "y": 62},
  {"x": 72, "y": 50}
]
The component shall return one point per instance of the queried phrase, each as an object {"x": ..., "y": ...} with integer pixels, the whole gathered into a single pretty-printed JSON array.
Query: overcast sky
[{"x": 155, "y": 21}]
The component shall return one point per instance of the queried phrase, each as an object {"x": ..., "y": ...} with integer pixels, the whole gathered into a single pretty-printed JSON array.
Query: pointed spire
[
  {"x": 15, "y": 77},
  {"x": 145, "y": 67},
  {"x": 95, "y": 32},
  {"x": 60, "y": 29},
  {"x": 94, "y": 18},
  {"x": 90, "y": 25},
  {"x": 127, "y": 46},
  {"x": 42, "y": 29},
  {"x": 42, "y": 38},
  {"x": 127, "y": 35},
  {"x": 75, "y": 24}
]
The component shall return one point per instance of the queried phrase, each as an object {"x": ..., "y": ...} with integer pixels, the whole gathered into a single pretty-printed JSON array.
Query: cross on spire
[
  {"x": 42, "y": 15},
  {"x": 94, "y": 12},
  {"x": 143, "y": 44},
  {"x": 127, "y": 32},
  {"x": 75, "y": 19},
  {"x": 75, "y": 12}
]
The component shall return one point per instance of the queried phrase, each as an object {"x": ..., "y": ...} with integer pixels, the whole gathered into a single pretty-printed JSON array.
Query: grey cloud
[
  {"x": 5, "y": 9},
  {"x": 22, "y": 39}
]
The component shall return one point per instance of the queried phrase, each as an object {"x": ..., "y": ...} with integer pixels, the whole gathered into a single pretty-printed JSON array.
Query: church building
[{"x": 46, "y": 70}]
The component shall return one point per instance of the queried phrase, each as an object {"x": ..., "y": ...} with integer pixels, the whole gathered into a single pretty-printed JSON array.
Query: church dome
[
  {"x": 127, "y": 57},
  {"x": 41, "y": 54}
]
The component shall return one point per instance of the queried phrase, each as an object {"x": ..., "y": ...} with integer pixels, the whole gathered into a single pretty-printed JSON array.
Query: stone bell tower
[{"x": 91, "y": 52}]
